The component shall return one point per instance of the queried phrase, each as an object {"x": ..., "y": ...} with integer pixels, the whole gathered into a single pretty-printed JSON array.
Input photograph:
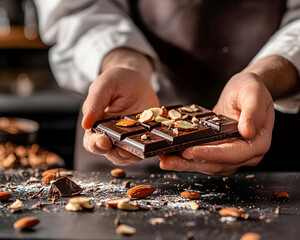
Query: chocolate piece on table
[
  {"x": 151, "y": 139},
  {"x": 117, "y": 132},
  {"x": 64, "y": 187}
]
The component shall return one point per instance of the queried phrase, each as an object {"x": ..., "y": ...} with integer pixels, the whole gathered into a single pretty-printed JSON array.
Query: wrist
[
  {"x": 277, "y": 73},
  {"x": 129, "y": 59}
]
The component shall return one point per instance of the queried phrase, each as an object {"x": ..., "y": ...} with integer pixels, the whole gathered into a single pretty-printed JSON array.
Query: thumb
[
  {"x": 253, "y": 106},
  {"x": 99, "y": 97}
]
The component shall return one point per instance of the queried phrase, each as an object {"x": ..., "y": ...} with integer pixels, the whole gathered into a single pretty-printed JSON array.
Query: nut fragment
[
  {"x": 184, "y": 125},
  {"x": 78, "y": 203},
  {"x": 155, "y": 221},
  {"x": 187, "y": 109},
  {"x": 118, "y": 173},
  {"x": 174, "y": 115},
  {"x": 167, "y": 123},
  {"x": 194, "y": 205},
  {"x": 113, "y": 203},
  {"x": 231, "y": 212},
  {"x": 126, "y": 123},
  {"x": 164, "y": 112},
  {"x": 128, "y": 205},
  {"x": 144, "y": 137},
  {"x": 161, "y": 119},
  {"x": 146, "y": 116},
  {"x": 4, "y": 196},
  {"x": 140, "y": 191},
  {"x": 156, "y": 112},
  {"x": 124, "y": 229},
  {"x": 190, "y": 195},
  {"x": 16, "y": 204},
  {"x": 26, "y": 223},
  {"x": 250, "y": 236},
  {"x": 194, "y": 108}
]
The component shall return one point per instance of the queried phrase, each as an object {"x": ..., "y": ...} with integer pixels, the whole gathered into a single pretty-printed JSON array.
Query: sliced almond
[
  {"x": 194, "y": 108},
  {"x": 161, "y": 119},
  {"x": 16, "y": 204},
  {"x": 167, "y": 123},
  {"x": 194, "y": 205},
  {"x": 175, "y": 131},
  {"x": 146, "y": 116},
  {"x": 128, "y": 205},
  {"x": 72, "y": 207},
  {"x": 174, "y": 115},
  {"x": 184, "y": 125},
  {"x": 113, "y": 203},
  {"x": 164, "y": 112},
  {"x": 195, "y": 120},
  {"x": 184, "y": 117},
  {"x": 124, "y": 229},
  {"x": 84, "y": 202},
  {"x": 187, "y": 109},
  {"x": 126, "y": 123},
  {"x": 156, "y": 112}
]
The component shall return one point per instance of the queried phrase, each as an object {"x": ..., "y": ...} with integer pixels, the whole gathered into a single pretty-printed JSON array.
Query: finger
[
  {"x": 96, "y": 143},
  {"x": 98, "y": 98},
  {"x": 177, "y": 163},
  {"x": 114, "y": 156},
  {"x": 253, "y": 109},
  {"x": 233, "y": 153}
]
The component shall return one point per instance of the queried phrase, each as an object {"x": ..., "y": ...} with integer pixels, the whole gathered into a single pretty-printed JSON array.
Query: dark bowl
[{"x": 18, "y": 130}]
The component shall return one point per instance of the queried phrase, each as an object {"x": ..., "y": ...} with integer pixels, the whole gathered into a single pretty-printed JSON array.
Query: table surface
[{"x": 252, "y": 193}]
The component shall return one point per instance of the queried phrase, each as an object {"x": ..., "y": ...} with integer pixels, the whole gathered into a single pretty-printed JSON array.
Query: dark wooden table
[{"x": 252, "y": 193}]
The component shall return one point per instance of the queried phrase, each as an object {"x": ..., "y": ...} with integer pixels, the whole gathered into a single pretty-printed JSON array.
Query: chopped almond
[
  {"x": 146, "y": 116},
  {"x": 126, "y": 123},
  {"x": 174, "y": 115}
]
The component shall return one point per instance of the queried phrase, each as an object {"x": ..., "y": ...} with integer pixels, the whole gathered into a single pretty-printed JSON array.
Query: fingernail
[{"x": 101, "y": 147}]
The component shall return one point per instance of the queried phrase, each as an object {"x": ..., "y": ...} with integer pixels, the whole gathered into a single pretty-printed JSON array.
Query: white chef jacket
[{"x": 82, "y": 32}]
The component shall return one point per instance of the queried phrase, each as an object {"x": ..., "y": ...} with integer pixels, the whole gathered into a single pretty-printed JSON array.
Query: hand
[
  {"x": 246, "y": 99},
  {"x": 117, "y": 91}
]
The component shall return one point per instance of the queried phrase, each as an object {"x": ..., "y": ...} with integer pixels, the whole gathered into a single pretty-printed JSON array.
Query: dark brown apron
[{"x": 202, "y": 43}]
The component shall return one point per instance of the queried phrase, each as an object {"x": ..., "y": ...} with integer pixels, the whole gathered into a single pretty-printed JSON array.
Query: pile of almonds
[{"x": 20, "y": 156}]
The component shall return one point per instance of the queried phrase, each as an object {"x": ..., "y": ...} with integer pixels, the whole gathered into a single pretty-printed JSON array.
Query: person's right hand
[{"x": 117, "y": 91}]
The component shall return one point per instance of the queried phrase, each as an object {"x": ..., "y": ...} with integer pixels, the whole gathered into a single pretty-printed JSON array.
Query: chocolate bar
[{"x": 167, "y": 129}]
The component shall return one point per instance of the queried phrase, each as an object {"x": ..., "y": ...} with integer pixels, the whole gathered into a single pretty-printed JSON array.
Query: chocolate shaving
[{"x": 64, "y": 187}]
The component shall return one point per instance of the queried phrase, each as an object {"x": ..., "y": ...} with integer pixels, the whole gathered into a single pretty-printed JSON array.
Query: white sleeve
[
  {"x": 285, "y": 43},
  {"x": 82, "y": 33}
]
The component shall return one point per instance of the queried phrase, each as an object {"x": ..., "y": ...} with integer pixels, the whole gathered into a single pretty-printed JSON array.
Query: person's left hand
[{"x": 246, "y": 99}]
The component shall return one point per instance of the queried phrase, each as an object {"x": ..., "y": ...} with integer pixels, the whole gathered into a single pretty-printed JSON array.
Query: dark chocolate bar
[{"x": 167, "y": 131}]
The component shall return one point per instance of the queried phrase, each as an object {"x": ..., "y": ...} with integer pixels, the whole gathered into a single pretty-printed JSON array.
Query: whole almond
[
  {"x": 48, "y": 178},
  {"x": 250, "y": 236},
  {"x": 140, "y": 191},
  {"x": 4, "y": 196},
  {"x": 190, "y": 195},
  {"x": 281, "y": 195},
  {"x": 53, "y": 170},
  {"x": 124, "y": 229},
  {"x": 26, "y": 223},
  {"x": 118, "y": 173},
  {"x": 231, "y": 212}
]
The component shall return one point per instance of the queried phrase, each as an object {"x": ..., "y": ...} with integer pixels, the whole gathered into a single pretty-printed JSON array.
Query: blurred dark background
[{"x": 27, "y": 87}]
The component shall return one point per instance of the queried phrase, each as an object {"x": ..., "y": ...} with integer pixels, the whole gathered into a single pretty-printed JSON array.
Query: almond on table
[
  {"x": 118, "y": 173},
  {"x": 140, "y": 191}
]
